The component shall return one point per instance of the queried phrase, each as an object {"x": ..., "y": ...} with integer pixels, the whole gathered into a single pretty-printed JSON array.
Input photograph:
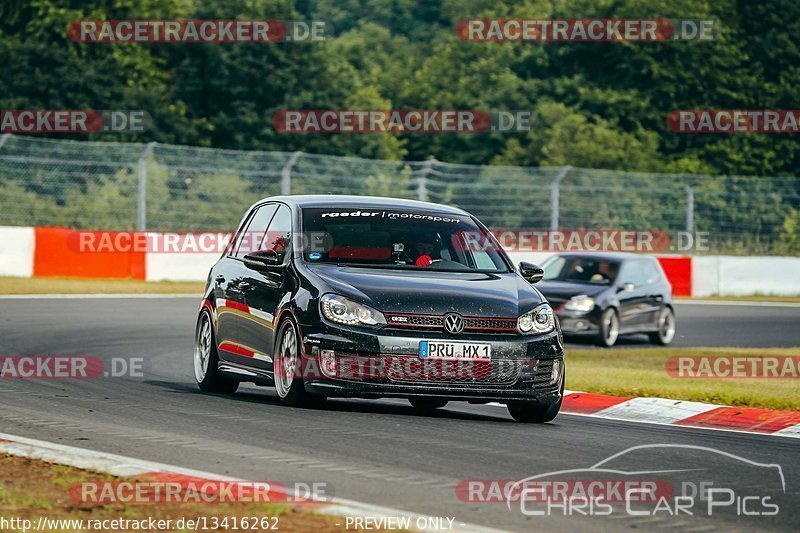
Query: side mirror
[
  {"x": 531, "y": 272},
  {"x": 262, "y": 260},
  {"x": 626, "y": 287}
]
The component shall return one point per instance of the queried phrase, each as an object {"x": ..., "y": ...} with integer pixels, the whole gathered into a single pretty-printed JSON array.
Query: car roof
[
  {"x": 606, "y": 256},
  {"x": 344, "y": 201}
]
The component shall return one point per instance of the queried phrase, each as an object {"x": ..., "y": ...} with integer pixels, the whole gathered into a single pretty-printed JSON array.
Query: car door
[
  {"x": 632, "y": 295},
  {"x": 653, "y": 289},
  {"x": 236, "y": 340},
  {"x": 267, "y": 287}
]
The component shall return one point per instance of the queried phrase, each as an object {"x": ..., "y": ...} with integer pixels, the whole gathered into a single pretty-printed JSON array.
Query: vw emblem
[{"x": 453, "y": 323}]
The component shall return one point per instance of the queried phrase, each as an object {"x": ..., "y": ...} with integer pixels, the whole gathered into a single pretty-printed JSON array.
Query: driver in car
[{"x": 427, "y": 251}]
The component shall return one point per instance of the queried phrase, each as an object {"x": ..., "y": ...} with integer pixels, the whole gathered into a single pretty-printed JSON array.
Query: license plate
[{"x": 471, "y": 351}]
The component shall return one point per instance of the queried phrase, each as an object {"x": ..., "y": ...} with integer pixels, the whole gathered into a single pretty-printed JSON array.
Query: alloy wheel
[
  {"x": 202, "y": 349},
  {"x": 611, "y": 328},
  {"x": 666, "y": 326},
  {"x": 286, "y": 361}
]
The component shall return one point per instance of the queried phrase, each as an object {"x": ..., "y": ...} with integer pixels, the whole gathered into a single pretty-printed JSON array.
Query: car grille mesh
[
  {"x": 490, "y": 324},
  {"x": 432, "y": 372},
  {"x": 544, "y": 370},
  {"x": 436, "y": 323}
]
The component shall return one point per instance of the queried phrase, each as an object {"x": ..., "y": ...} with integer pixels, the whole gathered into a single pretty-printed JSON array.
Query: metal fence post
[
  {"x": 555, "y": 197},
  {"x": 141, "y": 204},
  {"x": 689, "y": 209},
  {"x": 286, "y": 174},
  {"x": 422, "y": 179},
  {"x": 4, "y": 138}
]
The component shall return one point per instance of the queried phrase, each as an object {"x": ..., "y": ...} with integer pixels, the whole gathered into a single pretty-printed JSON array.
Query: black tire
[
  {"x": 535, "y": 413},
  {"x": 427, "y": 404},
  {"x": 609, "y": 328},
  {"x": 206, "y": 359},
  {"x": 532, "y": 412},
  {"x": 666, "y": 327},
  {"x": 286, "y": 363}
]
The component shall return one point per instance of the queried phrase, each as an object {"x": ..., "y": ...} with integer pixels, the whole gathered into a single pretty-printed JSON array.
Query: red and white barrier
[
  {"x": 684, "y": 413},
  {"x": 55, "y": 252},
  {"x": 16, "y": 251}
]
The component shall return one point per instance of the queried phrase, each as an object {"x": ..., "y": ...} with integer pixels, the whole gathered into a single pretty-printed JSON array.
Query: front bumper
[{"x": 386, "y": 363}]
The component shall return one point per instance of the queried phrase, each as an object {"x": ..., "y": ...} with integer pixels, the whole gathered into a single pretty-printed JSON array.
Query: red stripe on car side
[
  {"x": 236, "y": 305},
  {"x": 235, "y": 348}
]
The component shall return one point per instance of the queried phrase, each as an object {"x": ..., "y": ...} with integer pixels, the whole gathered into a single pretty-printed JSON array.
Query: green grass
[
  {"x": 638, "y": 372},
  {"x": 11, "y": 285}
]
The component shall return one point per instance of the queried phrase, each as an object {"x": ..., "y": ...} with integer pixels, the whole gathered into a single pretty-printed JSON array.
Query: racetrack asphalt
[{"x": 379, "y": 452}]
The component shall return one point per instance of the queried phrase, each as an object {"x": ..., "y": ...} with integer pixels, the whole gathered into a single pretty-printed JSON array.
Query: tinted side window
[
  {"x": 249, "y": 240},
  {"x": 632, "y": 273},
  {"x": 640, "y": 272},
  {"x": 279, "y": 234},
  {"x": 652, "y": 273}
]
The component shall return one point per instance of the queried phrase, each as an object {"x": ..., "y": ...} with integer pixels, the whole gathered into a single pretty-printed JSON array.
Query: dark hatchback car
[
  {"x": 347, "y": 296},
  {"x": 610, "y": 294}
]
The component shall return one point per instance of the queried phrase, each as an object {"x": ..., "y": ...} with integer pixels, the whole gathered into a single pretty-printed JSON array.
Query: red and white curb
[
  {"x": 121, "y": 466},
  {"x": 683, "y": 413}
]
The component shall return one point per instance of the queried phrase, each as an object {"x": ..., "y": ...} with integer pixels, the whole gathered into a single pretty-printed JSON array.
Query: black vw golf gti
[
  {"x": 348, "y": 296},
  {"x": 606, "y": 295}
]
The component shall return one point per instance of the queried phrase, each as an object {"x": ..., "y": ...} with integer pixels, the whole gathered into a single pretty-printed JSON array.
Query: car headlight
[
  {"x": 345, "y": 311},
  {"x": 581, "y": 303},
  {"x": 540, "y": 320}
]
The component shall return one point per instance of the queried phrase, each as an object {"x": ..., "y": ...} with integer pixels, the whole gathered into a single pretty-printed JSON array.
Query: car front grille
[
  {"x": 436, "y": 323},
  {"x": 454, "y": 374}
]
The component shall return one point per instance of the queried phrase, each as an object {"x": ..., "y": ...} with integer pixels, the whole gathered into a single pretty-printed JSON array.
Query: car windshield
[
  {"x": 399, "y": 239},
  {"x": 581, "y": 270}
]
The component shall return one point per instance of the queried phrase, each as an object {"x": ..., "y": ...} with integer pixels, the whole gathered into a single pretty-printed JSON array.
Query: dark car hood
[
  {"x": 436, "y": 293},
  {"x": 559, "y": 291}
]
